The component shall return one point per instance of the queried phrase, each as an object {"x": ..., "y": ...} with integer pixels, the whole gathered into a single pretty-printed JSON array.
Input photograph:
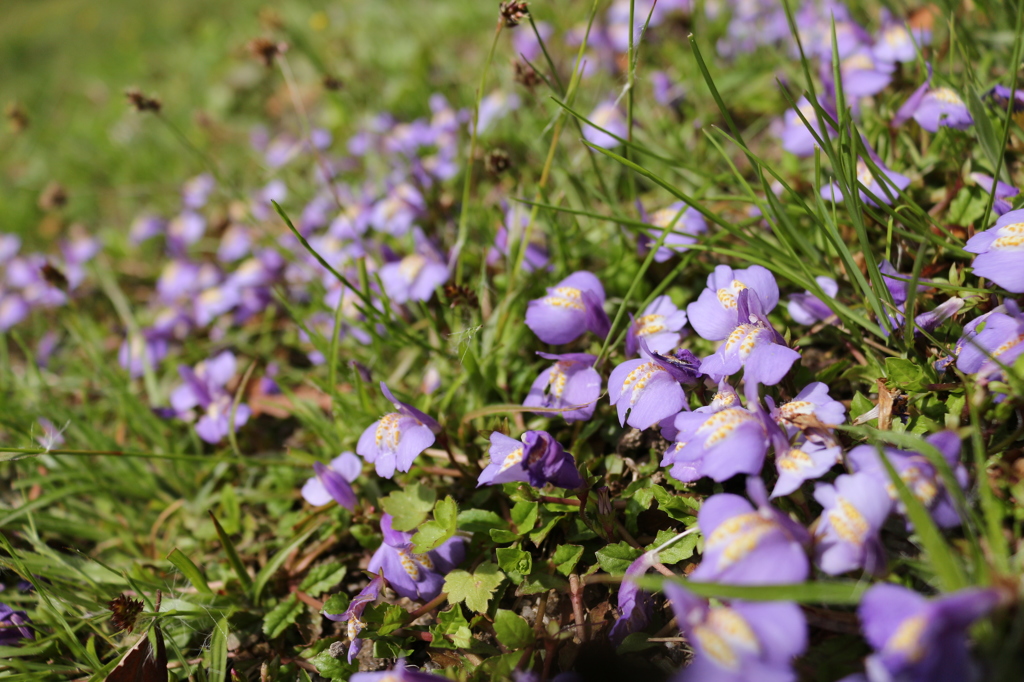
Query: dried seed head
[
  {"x": 497, "y": 161},
  {"x": 53, "y": 197},
  {"x": 525, "y": 74},
  {"x": 16, "y": 117},
  {"x": 460, "y": 294},
  {"x": 141, "y": 102},
  {"x": 266, "y": 50},
  {"x": 53, "y": 276},
  {"x": 332, "y": 83},
  {"x": 125, "y": 611},
  {"x": 513, "y": 12}
]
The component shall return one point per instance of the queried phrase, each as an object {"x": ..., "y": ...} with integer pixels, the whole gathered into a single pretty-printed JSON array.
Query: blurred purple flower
[
  {"x": 398, "y": 210},
  {"x": 571, "y": 307},
  {"x": 796, "y": 137},
  {"x": 537, "y": 459},
  {"x": 516, "y": 219},
  {"x": 989, "y": 184},
  {"x": 686, "y": 225},
  {"x": 419, "y": 577},
  {"x": 416, "y": 276},
  {"x": 399, "y": 674},
  {"x": 897, "y": 42},
  {"x": 1000, "y": 252},
  {"x": 14, "y": 626},
  {"x": 137, "y": 351},
  {"x": 801, "y": 462},
  {"x": 636, "y": 606},
  {"x": 196, "y": 191},
  {"x": 918, "y": 473},
  {"x": 920, "y": 640},
  {"x": 999, "y": 343},
  {"x": 713, "y": 315},
  {"x": 806, "y": 308},
  {"x": 13, "y": 309},
  {"x": 846, "y": 537},
  {"x": 571, "y": 382},
  {"x": 812, "y": 401},
  {"x": 525, "y": 44},
  {"x": 395, "y": 440},
  {"x": 933, "y": 108},
  {"x": 887, "y": 193},
  {"x": 745, "y": 545},
  {"x": 331, "y": 482},
  {"x": 51, "y": 437},
  {"x": 610, "y": 118},
  {"x": 738, "y": 641},
  {"x": 204, "y": 388}
]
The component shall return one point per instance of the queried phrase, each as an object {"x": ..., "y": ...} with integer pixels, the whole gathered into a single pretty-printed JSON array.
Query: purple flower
[
  {"x": 806, "y": 308},
  {"x": 933, "y": 108},
  {"x": 146, "y": 226},
  {"x": 918, "y": 473},
  {"x": 608, "y": 116},
  {"x": 354, "y": 613},
  {"x": 516, "y": 220},
  {"x": 14, "y": 626},
  {"x": 894, "y": 183},
  {"x": 863, "y": 74},
  {"x": 647, "y": 389},
  {"x": 537, "y": 459},
  {"x": 812, "y": 401},
  {"x": 495, "y": 107},
  {"x": 196, "y": 191},
  {"x": 738, "y": 641},
  {"x": 847, "y": 533},
  {"x": 999, "y": 343},
  {"x": 804, "y": 461},
  {"x": 667, "y": 92},
  {"x": 718, "y": 444},
  {"x": 1001, "y": 95},
  {"x": 13, "y": 309},
  {"x": 395, "y": 440},
  {"x": 52, "y": 437},
  {"x": 331, "y": 482},
  {"x": 396, "y": 213},
  {"x": 571, "y": 382},
  {"x": 659, "y": 325},
  {"x": 748, "y": 546},
  {"x": 1002, "y": 191},
  {"x": 525, "y": 44},
  {"x": 185, "y": 229},
  {"x": 897, "y": 42},
  {"x": 137, "y": 351},
  {"x": 9, "y": 246},
  {"x": 713, "y": 314},
  {"x": 415, "y": 277},
  {"x": 797, "y": 138},
  {"x": 685, "y": 225},
  {"x": 920, "y": 640},
  {"x": 204, "y": 388},
  {"x": 399, "y": 674},
  {"x": 571, "y": 307},
  {"x": 636, "y": 607},
  {"x": 754, "y": 346},
  {"x": 214, "y": 302},
  {"x": 1000, "y": 252},
  {"x": 419, "y": 577}
]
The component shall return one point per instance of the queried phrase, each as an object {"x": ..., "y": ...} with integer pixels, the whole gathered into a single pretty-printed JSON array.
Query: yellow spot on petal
[
  {"x": 849, "y": 524},
  {"x": 907, "y": 638}
]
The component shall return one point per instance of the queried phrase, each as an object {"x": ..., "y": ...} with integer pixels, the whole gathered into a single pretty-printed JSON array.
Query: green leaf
[
  {"x": 615, "y": 559},
  {"x": 389, "y": 647},
  {"x": 906, "y": 375},
  {"x": 322, "y": 578},
  {"x": 480, "y": 521},
  {"x": 433, "y": 534},
  {"x": 515, "y": 562},
  {"x": 189, "y": 570},
  {"x": 677, "y": 551},
  {"x": 503, "y": 536},
  {"x": 217, "y": 654},
  {"x": 513, "y": 631},
  {"x": 230, "y": 509},
  {"x": 967, "y": 207},
  {"x": 452, "y": 630},
  {"x": 366, "y": 536},
  {"x": 475, "y": 589},
  {"x": 232, "y": 553},
  {"x": 566, "y": 557},
  {"x": 386, "y": 618},
  {"x": 334, "y": 668},
  {"x": 524, "y": 516},
  {"x": 409, "y": 506},
  {"x": 636, "y": 642},
  {"x": 276, "y": 561},
  {"x": 336, "y": 604},
  {"x": 281, "y": 616},
  {"x": 541, "y": 581}
]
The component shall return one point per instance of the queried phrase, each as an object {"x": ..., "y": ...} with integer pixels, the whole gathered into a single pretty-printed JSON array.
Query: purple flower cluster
[{"x": 203, "y": 398}]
